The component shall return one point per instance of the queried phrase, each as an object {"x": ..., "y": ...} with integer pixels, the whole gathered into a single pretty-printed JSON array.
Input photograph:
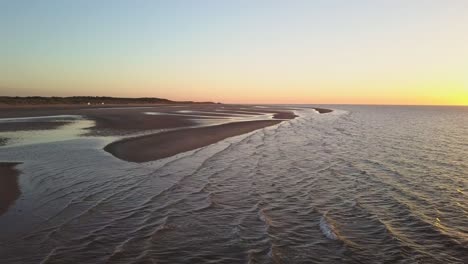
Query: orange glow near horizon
[
  {"x": 300, "y": 52},
  {"x": 438, "y": 94}
]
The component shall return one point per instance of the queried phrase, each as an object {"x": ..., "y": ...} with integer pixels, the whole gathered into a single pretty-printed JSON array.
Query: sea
[{"x": 363, "y": 184}]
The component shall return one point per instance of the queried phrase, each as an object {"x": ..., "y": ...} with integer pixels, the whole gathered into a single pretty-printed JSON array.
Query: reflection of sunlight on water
[{"x": 69, "y": 131}]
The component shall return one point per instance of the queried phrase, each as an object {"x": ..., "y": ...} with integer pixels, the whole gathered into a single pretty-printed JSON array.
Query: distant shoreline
[{"x": 86, "y": 100}]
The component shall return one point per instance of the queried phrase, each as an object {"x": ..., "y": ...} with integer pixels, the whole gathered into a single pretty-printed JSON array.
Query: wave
[{"x": 327, "y": 228}]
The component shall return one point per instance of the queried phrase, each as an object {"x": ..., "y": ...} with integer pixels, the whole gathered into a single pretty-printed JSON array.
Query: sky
[{"x": 256, "y": 51}]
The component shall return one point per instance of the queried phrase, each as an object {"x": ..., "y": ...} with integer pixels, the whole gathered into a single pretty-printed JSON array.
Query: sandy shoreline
[
  {"x": 9, "y": 189},
  {"x": 162, "y": 145},
  {"x": 215, "y": 122},
  {"x": 128, "y": 119}
]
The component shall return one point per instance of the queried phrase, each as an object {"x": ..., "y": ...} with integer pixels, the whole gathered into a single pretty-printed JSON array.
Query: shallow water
[
  {"x": 359, "y": 185},
  {"x": 73, "y": 127}
]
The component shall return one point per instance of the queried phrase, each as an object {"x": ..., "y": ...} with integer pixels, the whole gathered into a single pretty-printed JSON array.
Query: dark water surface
[{"x": 363, "y": 184}]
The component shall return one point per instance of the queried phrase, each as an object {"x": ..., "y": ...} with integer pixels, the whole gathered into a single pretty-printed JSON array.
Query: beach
[
  {"x": 148, "y": 132},
  {"x": 166, "y": 144}
]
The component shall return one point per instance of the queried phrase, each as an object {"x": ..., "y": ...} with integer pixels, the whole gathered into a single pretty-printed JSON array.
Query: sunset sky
[{"x": 329, "y": 51}]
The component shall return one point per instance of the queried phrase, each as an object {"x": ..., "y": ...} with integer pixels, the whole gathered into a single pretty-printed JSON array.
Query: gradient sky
[{"x": 330, "y": 51}]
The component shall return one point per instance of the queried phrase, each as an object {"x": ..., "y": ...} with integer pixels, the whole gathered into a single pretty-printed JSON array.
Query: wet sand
[
  {"x": 193, "y": 123},
  {"x": 109, "y": 120},
  {"x": 323, "y": 110},
  {"x": 284, "y": 115},
  {"x": 9, "y": 189},
  {"x": 127, "y": 119},
  {"x": 162, "y": 145},
  {"x": 21, "y": 126},
  {"x": 118, "y": 122}
]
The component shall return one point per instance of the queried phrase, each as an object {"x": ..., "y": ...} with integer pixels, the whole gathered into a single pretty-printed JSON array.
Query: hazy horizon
[
  {"x": 321, "y": 52},
  {"x": 250, "y": 103}
]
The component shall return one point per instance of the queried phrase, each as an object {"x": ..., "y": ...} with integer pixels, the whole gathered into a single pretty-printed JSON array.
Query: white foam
[{"x": 326, "y": 228}]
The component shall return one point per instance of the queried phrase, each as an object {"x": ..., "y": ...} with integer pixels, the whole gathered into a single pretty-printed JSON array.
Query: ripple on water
[{"x": 340, "y": 188}]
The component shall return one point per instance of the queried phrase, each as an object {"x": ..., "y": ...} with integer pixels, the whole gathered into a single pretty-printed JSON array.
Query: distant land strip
[{"x": 86, "y": 100}]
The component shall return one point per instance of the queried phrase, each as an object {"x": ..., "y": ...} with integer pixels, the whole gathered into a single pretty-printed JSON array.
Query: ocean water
[{"x": 363, "y": 184}]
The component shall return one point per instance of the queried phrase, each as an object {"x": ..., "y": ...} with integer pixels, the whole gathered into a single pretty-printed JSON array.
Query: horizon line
[{"x": 234, "y": 103}]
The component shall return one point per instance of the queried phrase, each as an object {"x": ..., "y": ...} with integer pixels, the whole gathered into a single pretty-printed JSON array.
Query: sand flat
[
  {"x": 21, "y": 126},
  {"x": 127, "y": 119},
  {"x": 184, "y": 122},
  {"x": 162, "y": 145}
]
